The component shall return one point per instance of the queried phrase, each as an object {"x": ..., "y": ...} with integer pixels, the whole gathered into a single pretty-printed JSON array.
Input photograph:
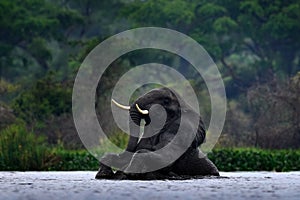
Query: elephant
[{"x": 161, "y": 129}]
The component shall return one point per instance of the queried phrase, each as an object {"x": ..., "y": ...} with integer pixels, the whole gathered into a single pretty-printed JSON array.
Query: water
[{"x": 82, "y": 185}]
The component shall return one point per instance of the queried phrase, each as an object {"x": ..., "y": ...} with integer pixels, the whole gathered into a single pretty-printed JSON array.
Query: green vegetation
[
  {"x": 255, "y": 44},
  {"x": 251, "y": 159},
  {"x": 21, "y": 150},
  {"x": 70, "y": 160},
  {"x": 46, "y": 98},
  {"x": 237, "y": 159}
]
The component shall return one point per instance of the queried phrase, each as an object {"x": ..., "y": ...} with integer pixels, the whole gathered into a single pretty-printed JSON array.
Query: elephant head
[{"x": 162, "y": 110}]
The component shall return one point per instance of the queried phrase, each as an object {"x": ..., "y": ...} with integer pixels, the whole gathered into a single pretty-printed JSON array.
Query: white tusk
[
  {"x": 144, "y": 112},
  {"x": 120, "y": 105}
]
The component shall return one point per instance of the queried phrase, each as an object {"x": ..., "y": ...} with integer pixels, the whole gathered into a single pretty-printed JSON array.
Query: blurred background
[{"x": 255, "y": 44}]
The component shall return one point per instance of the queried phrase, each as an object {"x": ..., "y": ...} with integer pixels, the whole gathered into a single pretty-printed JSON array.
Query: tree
[
  {"x": 263, "y": 34},
  {"x": 254, "y": 42},
  {"x": 276, "y": 114},
  {"x": 27, "y": 29},
  {"x": 99, "y": 18}
]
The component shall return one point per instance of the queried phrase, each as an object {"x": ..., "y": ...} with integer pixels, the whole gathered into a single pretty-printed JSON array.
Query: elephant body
[{"x": 191, "y": 162}]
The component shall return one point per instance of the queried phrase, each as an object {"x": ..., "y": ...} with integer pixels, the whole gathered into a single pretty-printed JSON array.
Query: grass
[
  {"x": 252, "y": 159},
  {"x": 22, "y": 150},
  {"x": 241, "y": 159}
]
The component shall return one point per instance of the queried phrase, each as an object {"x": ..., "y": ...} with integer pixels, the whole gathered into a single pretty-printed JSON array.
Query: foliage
[
  {"x": 68, "y": 160},
  {"x": 238, "y": 129},
  {"x": 255, "y": 43},
  {"x": 48, "y": 97},
  {"x": 6, "y": 116},
  {"x": 119, "y": 139},
  {"x": 27, "y": 28},
  {"x": 21, "y": 149},
  {"x": 263, "y": 33},
  {"x": 6, "y": 87},
  {"x": 255, "y": 159},
  {"x": 226, "y": 159},
  {"x": 276, "y": 113}
]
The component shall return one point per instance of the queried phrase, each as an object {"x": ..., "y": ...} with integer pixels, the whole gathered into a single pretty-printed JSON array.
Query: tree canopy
[{"x": 255, "y": 43}]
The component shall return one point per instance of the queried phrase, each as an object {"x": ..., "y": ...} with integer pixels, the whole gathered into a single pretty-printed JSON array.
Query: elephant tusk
[
  {"x": 144, "y": 112},
  {"x": 120, "y": 105}
]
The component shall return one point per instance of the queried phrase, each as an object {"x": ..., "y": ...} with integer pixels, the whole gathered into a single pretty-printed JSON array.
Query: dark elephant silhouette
[{"x": 161, "y": 129}]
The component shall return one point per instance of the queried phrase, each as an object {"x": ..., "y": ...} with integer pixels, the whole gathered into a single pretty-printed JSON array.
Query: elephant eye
[{"x": 167, "y": 100}]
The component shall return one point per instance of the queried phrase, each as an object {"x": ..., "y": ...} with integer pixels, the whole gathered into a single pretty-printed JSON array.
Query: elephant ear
[
  {"x": 192, "y": 118},
  {"x": 200, "y": 135}
]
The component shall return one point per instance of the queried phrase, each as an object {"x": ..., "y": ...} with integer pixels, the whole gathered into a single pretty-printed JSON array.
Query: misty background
[{"x": 255, "y": 44}]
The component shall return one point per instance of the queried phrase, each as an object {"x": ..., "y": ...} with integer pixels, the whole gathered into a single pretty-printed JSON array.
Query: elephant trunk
[
  {"x": 134, "y": 126},
  {"x": 135, "y": 116}
]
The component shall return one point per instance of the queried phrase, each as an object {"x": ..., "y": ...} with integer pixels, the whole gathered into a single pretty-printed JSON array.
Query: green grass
[
  {"x": 240, "y": 159},
  {"x": 251, "y": 159},
  {"x": 70, "y": 160},
  {"x": 22, "y": 150}
]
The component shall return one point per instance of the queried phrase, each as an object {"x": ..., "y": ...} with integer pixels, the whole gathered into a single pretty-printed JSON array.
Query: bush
[
  {"x": 48, "y": 97},
  {"x": 71, "y": 160},
  {"x": 250, "y": 159},
  {"x": 20, "y": 149},
  {"x": 23, "y": 150},
  {"x": 6, "y": 116},
  {"x": 242, "y": 159},
  {"x": 62, "y": 159}
]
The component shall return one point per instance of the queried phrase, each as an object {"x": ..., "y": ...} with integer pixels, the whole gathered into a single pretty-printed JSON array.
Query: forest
[{"x": 255, "y": 44}]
